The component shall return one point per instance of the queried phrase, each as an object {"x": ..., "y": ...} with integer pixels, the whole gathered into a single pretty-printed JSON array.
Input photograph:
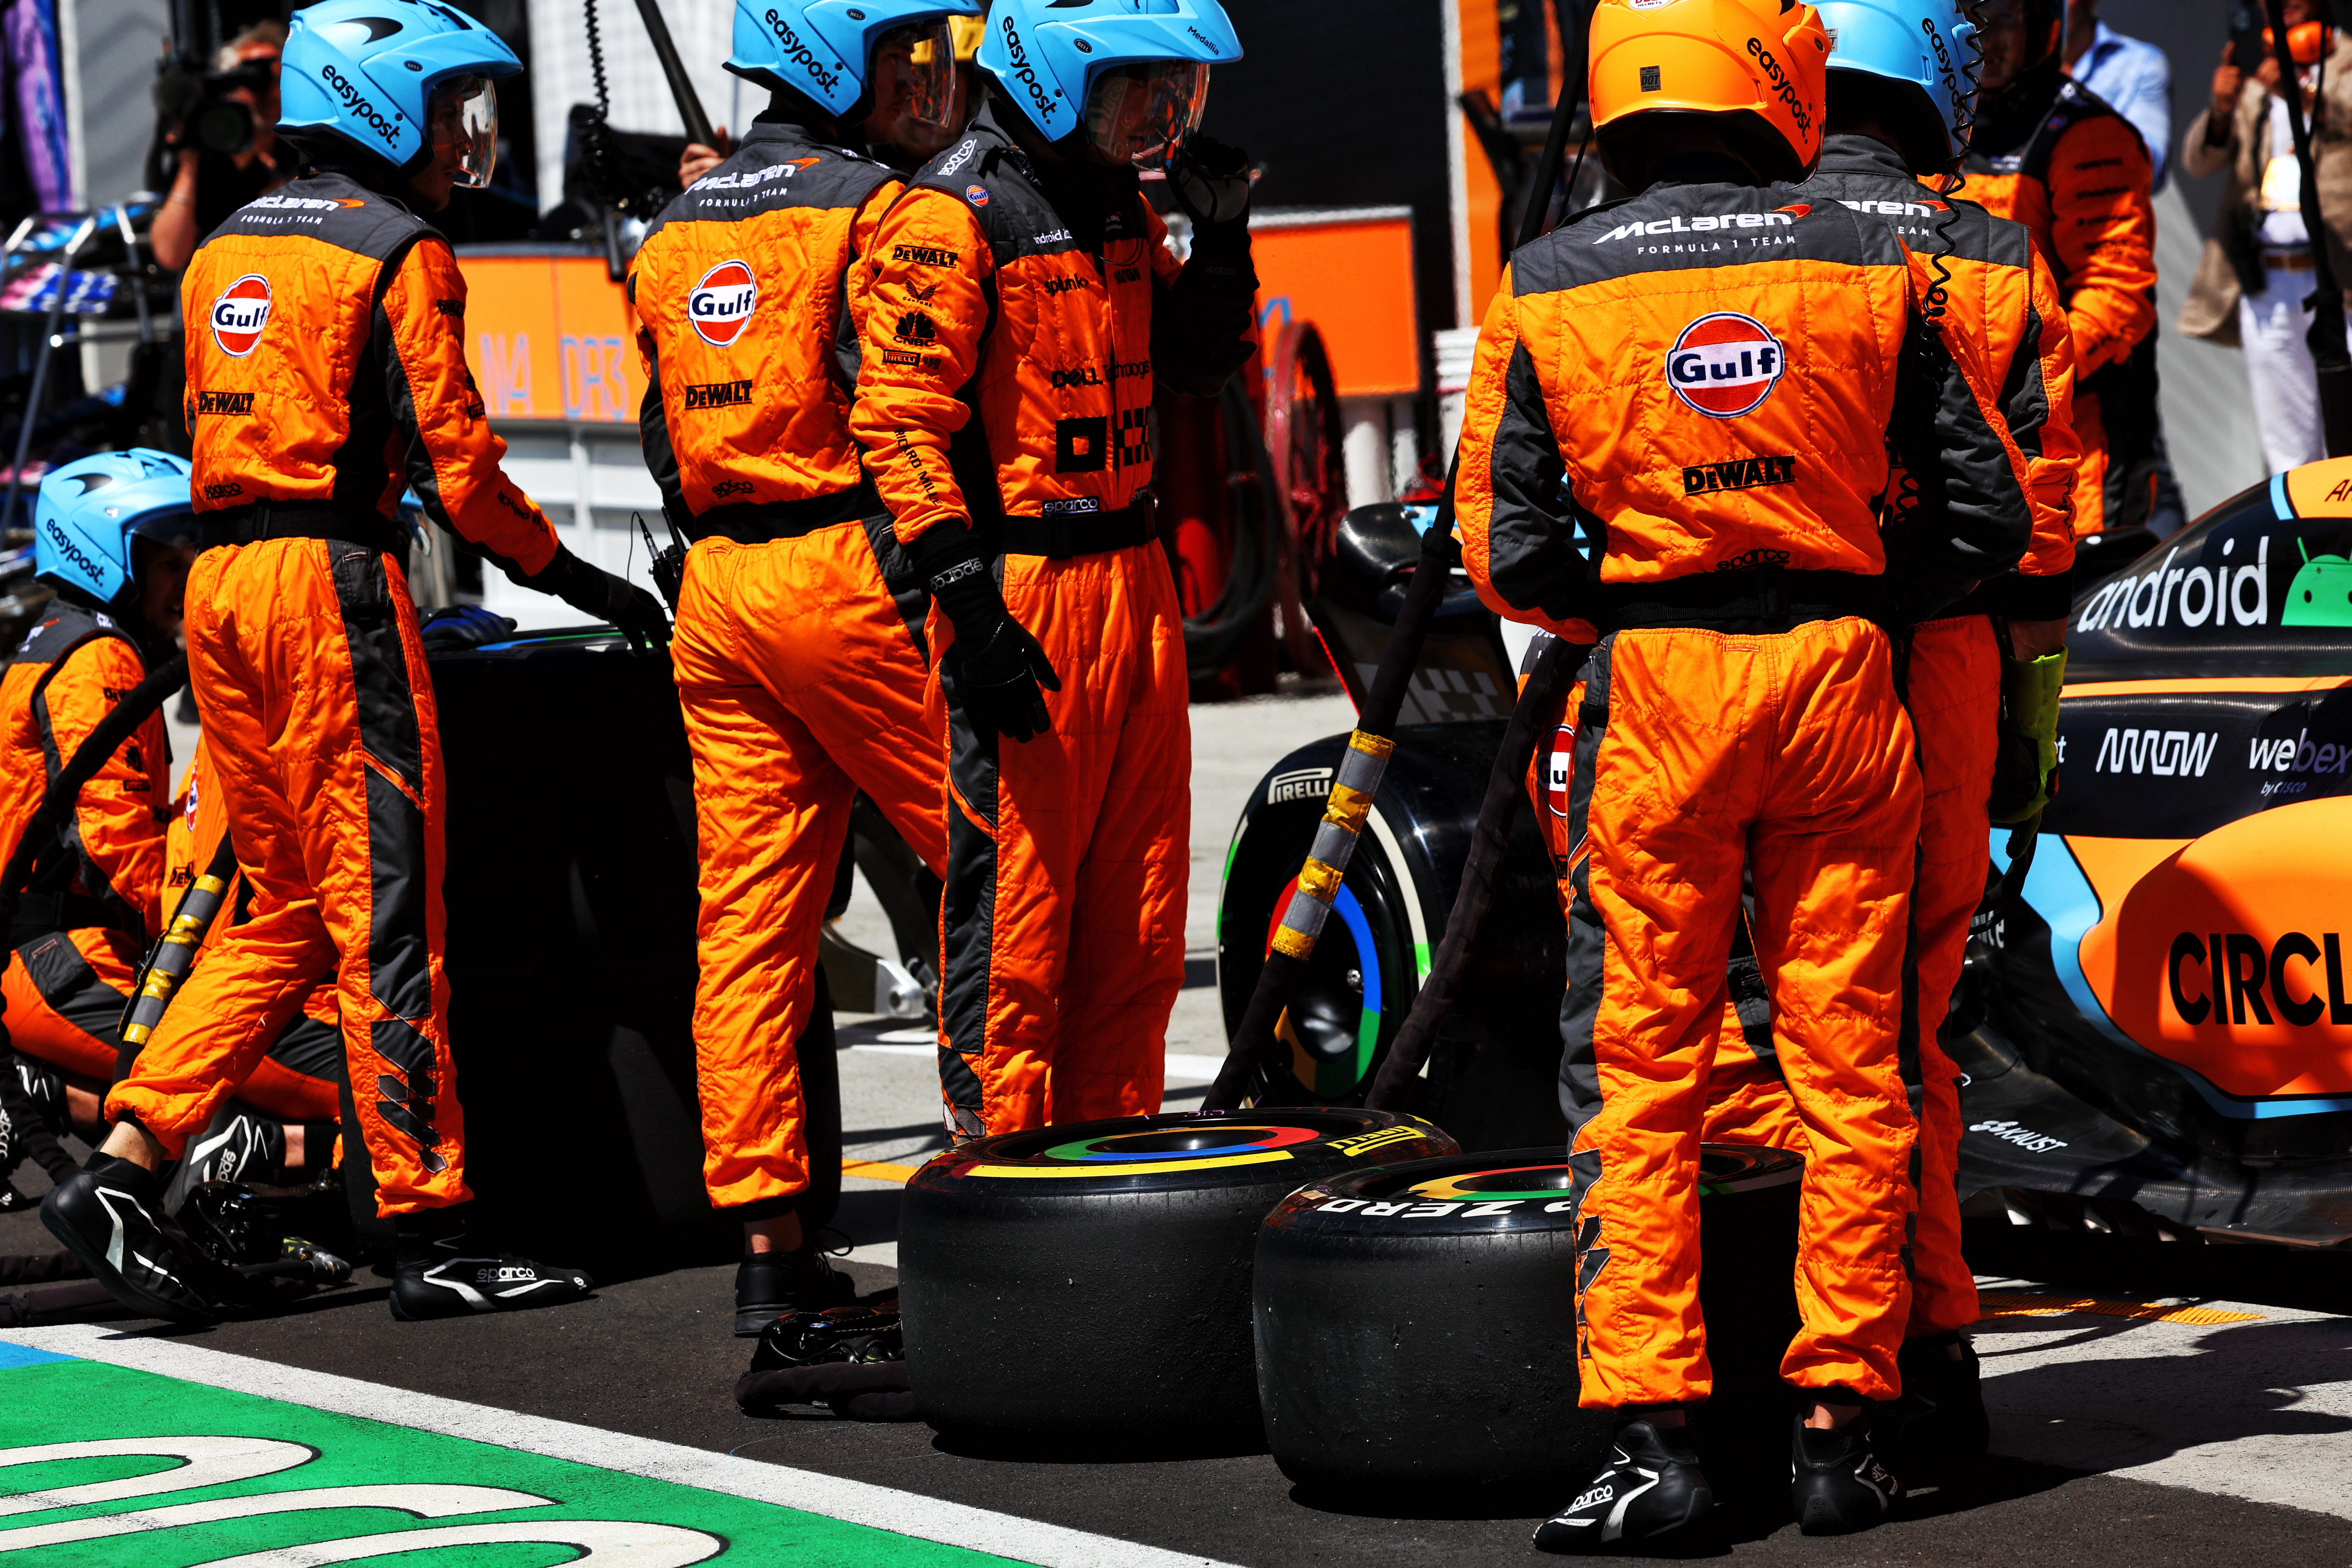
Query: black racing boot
[
  {"x": 769, "y": 1284},
  {"x": 439, "y": 1270},
  {"x": 1650, "y": 1485},
  {"x": 240, "y": 1145},
  {"x": 110, "y": 1216},
  {"x": 1836, "y": 1484},
  {"x": 1938, "y": 1428}
]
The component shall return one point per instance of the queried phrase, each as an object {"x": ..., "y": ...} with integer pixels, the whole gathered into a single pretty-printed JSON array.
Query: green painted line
[{"x": 482, "y": 1503}]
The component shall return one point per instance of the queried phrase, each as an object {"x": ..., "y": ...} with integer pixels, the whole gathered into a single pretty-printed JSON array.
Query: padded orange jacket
[
  {"x": 2055, "y": 158},
  {"x": 2000, "y": 293},
  {"x": 751, "y": 306},
  {"x": 1021, "y": 317},
  {"x": 327, "y": 367},
  {"x": 1705, "y": 378},
  {"x": 107, "y": 870}
]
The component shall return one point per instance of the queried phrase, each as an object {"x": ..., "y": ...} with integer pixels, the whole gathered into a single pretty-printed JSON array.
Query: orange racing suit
[
  {"x": 88, "y": 917},
  {"x": 326, "y": 372},
  {"x": 1953, "y": 694},
  {"x": 802, "y": 680},
  {"x": 1021, "y": 316},
  {"x": 1676, "y": 444},
  {"x": 2057, "y": 159}
]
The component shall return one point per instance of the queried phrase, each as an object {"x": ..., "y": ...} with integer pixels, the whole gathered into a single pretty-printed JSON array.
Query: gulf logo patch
[
  {"x": 721, "y": 306},
  {"x": 1725, "y": 364},
  {"x": 240, "y": 313},
  {"x": 1559, "y": 768},
  {"x": 976, "y": 194}
]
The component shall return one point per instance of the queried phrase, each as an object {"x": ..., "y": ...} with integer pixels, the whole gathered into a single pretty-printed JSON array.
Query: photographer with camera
[
  {"x": 222, "y": 126},
  {"x": 2258, "y": 267}
]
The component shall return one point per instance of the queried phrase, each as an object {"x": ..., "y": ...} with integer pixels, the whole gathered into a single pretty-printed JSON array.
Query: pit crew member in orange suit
[
  {"x": 1024, "y": 305},
  {"x": 113, "y": 534},
  {"x": 1893, "y": 106},
  {"x": 801, "y": 677},
  {"x": 328, "y": 375},
  {"x": 281, "y": 1122},
  {"x": 2047, "y": 153},
  {"x": 1704, "y": 379}
]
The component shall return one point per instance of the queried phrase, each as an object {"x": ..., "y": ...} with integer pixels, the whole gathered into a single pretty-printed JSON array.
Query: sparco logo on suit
[{"x": 240, "y": 313}]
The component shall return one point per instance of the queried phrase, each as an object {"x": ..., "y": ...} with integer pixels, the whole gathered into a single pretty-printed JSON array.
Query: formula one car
[{"x": 2155, "y": 1021}]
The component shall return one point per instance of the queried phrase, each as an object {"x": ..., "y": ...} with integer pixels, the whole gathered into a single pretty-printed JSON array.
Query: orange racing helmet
[{"x": 1757, "y": 67}]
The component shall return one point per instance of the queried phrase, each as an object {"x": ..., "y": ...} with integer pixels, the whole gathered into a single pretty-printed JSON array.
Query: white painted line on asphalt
[
  {"x": 2259, "y": 1410},
  {"x": 859, "y": 1502},
  {"x": 885, "y": 1253}
]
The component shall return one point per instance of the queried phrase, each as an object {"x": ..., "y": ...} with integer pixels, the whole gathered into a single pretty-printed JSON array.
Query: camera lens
[{"x": 222, "y": 126}]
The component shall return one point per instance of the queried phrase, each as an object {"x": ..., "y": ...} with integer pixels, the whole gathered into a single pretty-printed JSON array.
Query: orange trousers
[
  {"x": 1062, "y": 929},
  {"x": 1955, "y": 703},
  {"x": 318, "y": 708},
  {"x": 65, "y": 996},
  {"x": 803, "y": 683},
  {"x": 1698, "y": 754}
]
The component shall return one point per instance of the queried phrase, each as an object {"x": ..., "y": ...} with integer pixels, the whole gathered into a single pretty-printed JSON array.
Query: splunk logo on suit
[
  {"x": 239, "y": 314},
  {"x": 721, "y": 306},
  {"x": 1725, "y": 364}
]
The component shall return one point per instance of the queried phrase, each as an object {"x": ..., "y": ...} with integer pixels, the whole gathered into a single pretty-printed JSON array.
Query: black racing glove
[
  {"x": 598, "y": 593},
  {"x": 1211, "y": 180},
  {"x": 996, "y": 670}
]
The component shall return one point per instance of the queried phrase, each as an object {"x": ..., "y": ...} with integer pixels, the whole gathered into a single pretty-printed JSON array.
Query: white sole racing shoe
[
  {"x": 445, "y": 1277},
  {"x": 237, "y": 1147},
  {"x": 1836, "y": 1484},
  {"x": 110, "y": 1215},
  {"x": 1650, "y": 1486}
]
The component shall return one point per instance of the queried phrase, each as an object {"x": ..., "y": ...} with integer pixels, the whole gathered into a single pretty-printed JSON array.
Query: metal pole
[{"x": 690, "y": 103}]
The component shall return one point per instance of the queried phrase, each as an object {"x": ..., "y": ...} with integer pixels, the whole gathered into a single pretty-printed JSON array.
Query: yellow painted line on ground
[
  {"x": 2017, "y": 1304},
  {"x": 875, "y": 1171}
]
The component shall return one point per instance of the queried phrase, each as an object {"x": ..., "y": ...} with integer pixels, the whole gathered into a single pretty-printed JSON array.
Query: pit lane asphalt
[{"x": 2117, "y": 1441}]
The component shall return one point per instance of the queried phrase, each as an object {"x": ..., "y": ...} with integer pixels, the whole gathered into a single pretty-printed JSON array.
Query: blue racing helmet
[
  {"x": 1923, "y": 50},
  {"x": 365, "y": 70},
  {"x": 1133, "y": 74},
  {"x": 89, "y": 510},
  {"x": 824, "y": 50}
]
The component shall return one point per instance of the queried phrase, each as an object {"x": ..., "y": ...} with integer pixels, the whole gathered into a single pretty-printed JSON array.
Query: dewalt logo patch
[{"x": 1741, "y": 474}]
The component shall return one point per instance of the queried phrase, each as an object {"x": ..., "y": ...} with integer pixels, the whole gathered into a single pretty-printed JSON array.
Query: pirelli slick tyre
[
  {"x": 1416, "y": 1327},
  {"x": 1091, "y": 1282}
]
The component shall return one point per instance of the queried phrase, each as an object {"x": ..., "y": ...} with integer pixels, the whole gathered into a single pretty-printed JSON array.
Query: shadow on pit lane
[
  {"x": 1029, "y": 1450},
  {"x": 1751, "y": 1515},
  {"x": 2313, "y": 1280}
]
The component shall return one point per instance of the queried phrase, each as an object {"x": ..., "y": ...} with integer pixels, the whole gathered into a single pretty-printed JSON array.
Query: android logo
[{"x": 2321, "y": 593}]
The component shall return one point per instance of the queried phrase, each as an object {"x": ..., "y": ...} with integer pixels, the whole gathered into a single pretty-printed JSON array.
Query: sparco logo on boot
[
  {"x": 1018, "y": 66},
  {"x": 1725, "y": 364},
  {"x": 355, "y": 104},
  {"x": 240, "y": 313},
  {"x": 799, "y": 54},
  {"x": 721, "y": 305}
]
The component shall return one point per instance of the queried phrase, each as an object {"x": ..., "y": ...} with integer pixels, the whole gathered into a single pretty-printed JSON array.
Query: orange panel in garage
[
  {"x": 1353, "y": 279},
  {"x": 551, "y": 337}
]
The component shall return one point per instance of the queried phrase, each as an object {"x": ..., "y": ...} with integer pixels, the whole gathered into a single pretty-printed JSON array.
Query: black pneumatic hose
[{"x": 1537, "y": 713}]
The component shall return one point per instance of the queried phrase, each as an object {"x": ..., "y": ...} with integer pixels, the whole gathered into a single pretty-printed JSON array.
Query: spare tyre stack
[
  {"x": 1088, "y": 1284},
  {"x": 1416, "y": 1329}
]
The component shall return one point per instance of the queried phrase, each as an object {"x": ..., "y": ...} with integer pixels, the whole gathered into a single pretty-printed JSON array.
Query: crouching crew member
[
  {"x": 801, "y": 677},
  {"x": 1025, "y": 304},
  {"x": 327, "y": 373},
  {"x": 1702, "y": 380},
  {"x": 114, "y": 535}
]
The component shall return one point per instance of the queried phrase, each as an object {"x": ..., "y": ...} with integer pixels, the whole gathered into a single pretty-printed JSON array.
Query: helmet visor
[
  {"x": 462, "y": 129},
  {"x": 913, "y": 82},
  {"x": 167, "y": 528},
  {"x": 1140, "y": 114}
]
